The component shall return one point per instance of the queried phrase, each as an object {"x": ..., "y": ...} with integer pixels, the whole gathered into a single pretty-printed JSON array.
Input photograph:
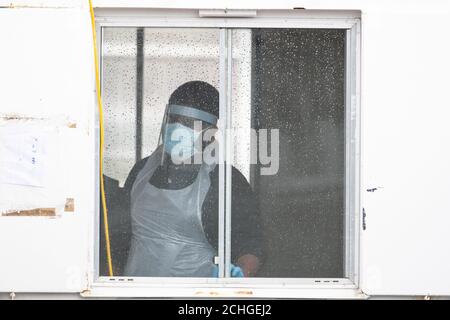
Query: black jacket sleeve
[
  {"x": 246, "y": 227},
  {"x": 246, "y": 232},
  {"x": 133, "y": 175},
  {"x": 119, "y": 227}
]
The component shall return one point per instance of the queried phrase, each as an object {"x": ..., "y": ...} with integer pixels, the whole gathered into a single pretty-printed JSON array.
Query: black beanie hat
[{"x": 197, "y": 94}]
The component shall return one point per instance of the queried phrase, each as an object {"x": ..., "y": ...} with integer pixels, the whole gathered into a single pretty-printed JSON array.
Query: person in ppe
[{"x": 174, "y": 199}]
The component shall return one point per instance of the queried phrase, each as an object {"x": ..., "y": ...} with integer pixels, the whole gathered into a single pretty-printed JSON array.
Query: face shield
[{"x": 182, "y": 130}]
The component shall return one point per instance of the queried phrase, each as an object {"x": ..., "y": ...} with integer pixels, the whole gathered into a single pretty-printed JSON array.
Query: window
[
  {"x": 142, "y": 67},
  {"x": 272, "y": 198},
  {"x": 297, "y": 107}
]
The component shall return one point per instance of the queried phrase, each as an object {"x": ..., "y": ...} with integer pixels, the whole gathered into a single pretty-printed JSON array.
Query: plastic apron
[{"x": 167, "y": 234}]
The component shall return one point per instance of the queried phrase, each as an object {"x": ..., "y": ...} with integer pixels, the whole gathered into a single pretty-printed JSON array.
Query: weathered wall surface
[{"x": 47, "y": 91}]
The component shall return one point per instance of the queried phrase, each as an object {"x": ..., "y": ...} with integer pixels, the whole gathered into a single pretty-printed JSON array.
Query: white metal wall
[
  {"x": 46, "y": 82},
  {"x": 47, "y": 72}
]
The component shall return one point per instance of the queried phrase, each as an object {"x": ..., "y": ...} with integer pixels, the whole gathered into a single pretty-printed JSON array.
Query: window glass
[
  {"x": 161, "y": 105},
  {"x": 288, "y": 118},
  {"x": 156, "y": 83}
]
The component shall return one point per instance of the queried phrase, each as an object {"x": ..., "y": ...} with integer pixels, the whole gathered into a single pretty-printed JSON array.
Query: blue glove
[{"x": 236, "y": 272}]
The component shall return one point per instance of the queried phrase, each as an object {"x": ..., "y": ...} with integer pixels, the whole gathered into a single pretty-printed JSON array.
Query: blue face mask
[{"x": 179, "y": 141}]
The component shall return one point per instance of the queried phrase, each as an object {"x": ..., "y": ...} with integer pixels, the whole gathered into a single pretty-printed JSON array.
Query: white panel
[
  {"x": 406, "y": 132},
  {"x": 46, "y": 81},
  {"x": 46, "y": 74}
]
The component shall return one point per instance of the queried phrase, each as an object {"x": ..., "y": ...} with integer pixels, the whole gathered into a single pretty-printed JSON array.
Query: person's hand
[
  {"x": 249, "y": 264},
  {"x": 236, "y": 272}
]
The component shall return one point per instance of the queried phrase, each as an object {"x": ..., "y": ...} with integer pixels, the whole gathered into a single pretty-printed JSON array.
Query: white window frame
[{"x": 247, "y": 287}]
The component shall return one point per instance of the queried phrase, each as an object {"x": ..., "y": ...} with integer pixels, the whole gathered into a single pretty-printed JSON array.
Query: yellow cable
[{"x": 102, "y": 139}]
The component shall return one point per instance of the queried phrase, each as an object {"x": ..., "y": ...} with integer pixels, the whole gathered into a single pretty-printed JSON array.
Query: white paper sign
[{"x": 23, "y": 157}]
